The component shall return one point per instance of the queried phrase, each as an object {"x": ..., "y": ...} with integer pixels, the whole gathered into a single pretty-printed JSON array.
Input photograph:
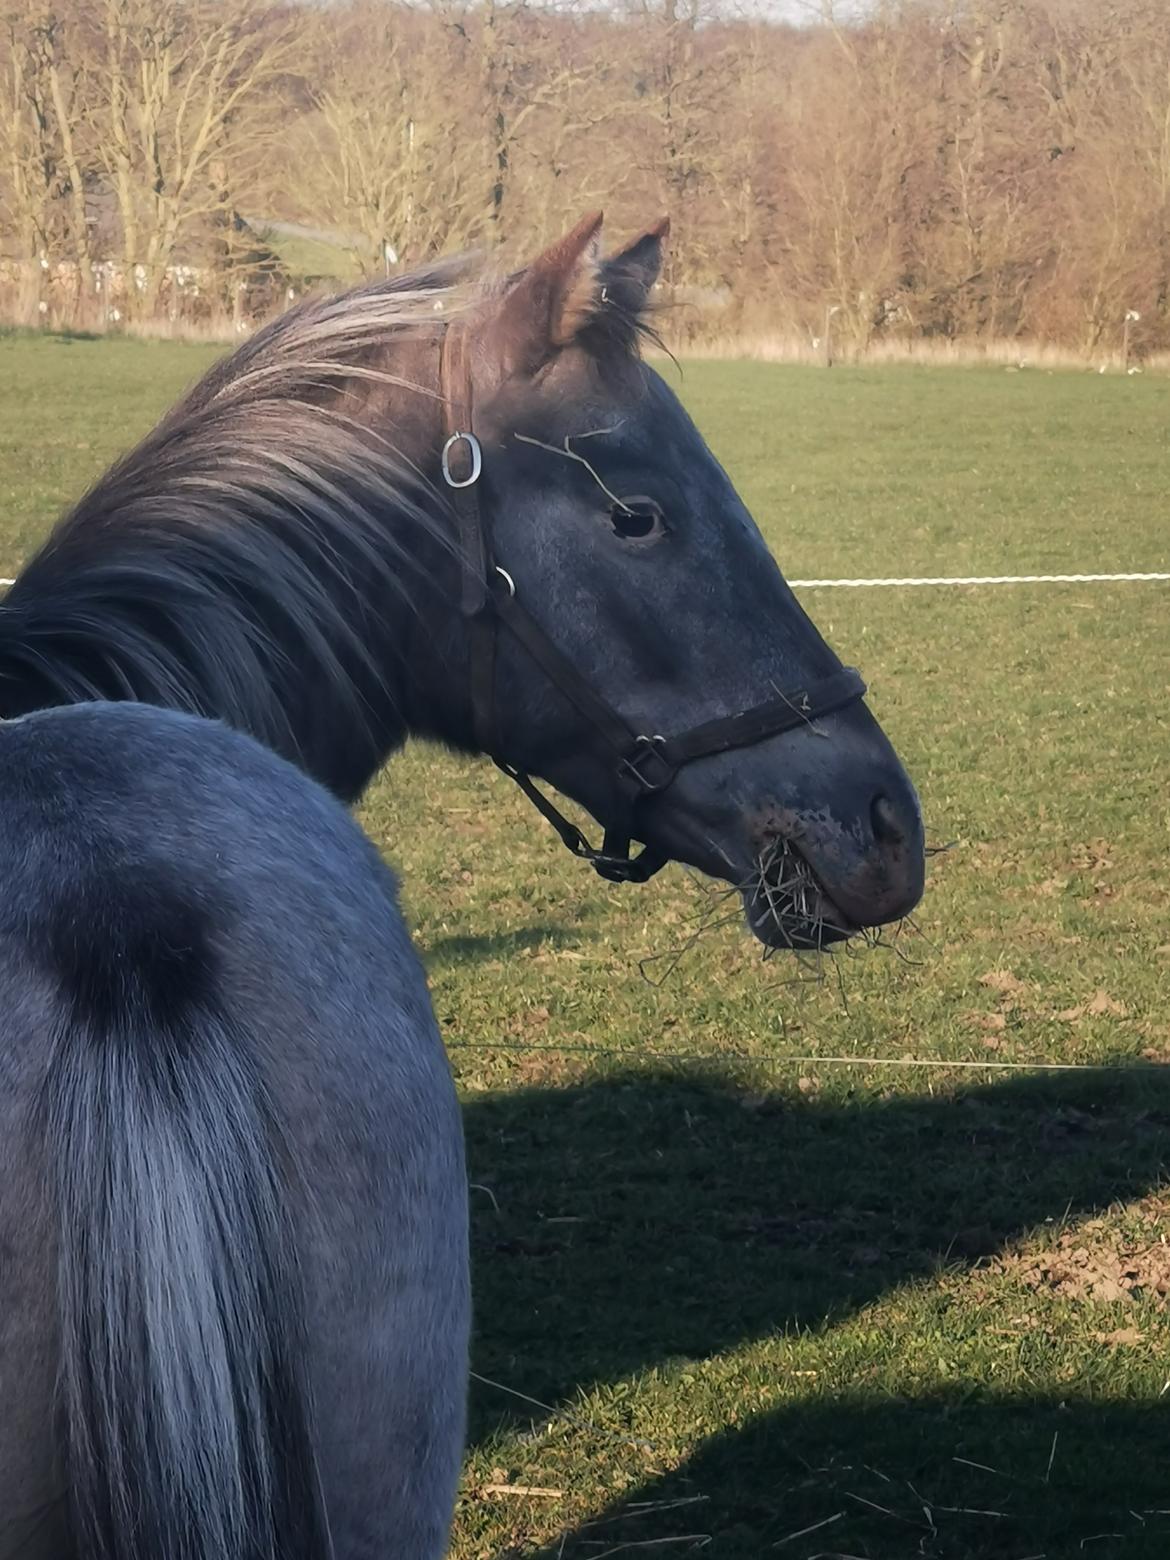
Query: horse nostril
[{"x": 888, "y": 828}]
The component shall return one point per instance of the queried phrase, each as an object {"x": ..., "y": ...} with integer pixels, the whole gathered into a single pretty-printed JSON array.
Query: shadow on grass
[
  {"x": 812, "y": 1480},
  {"x": 460, "y": 948},
  {"x": 646, "y": 1217},
  {"x": 64, "y": 336}
]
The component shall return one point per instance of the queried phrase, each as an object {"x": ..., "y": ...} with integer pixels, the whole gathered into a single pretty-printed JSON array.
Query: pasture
[{"x": 733, "y": 1296}]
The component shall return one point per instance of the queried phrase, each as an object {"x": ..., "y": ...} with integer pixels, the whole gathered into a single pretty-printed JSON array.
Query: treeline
[{"x": 955, "y": 169}]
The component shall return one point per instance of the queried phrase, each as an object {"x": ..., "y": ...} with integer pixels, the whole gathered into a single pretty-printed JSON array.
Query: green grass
[
  {"x": 303, "y": 256},
  {"x": 766, "y": 1293}
]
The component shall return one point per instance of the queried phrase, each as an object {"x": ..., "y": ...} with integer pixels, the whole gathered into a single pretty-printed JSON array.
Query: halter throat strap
[{"x": 640, "y": 764}]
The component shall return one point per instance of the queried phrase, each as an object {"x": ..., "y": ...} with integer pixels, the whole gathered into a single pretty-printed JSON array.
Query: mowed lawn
[{"x": 775, "y": 1304}]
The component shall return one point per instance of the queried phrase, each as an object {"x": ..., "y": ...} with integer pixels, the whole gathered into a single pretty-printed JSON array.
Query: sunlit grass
[{"x": 774, "y": 1293}]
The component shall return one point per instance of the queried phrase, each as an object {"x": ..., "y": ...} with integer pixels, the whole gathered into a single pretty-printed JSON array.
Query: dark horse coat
[{"x": 229, "y": 1142}]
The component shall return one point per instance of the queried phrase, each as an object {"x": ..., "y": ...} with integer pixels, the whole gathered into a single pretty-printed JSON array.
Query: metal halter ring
[
  {"x": 647, "y": 752},
  {"x": 476, "y": 460}
]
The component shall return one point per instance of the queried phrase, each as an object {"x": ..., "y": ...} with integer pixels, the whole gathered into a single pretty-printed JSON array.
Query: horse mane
[
  {"x": 243, "y": 560},
  {"x": 251, "y": 520}
]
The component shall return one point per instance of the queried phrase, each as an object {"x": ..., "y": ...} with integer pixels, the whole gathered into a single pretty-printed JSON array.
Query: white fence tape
[{"x": 978, "y": 579}]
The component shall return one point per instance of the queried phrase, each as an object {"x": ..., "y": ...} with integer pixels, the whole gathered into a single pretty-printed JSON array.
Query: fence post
[
  {"x": 1131, "y": 318},
  {"x": 829, "y": 313}
]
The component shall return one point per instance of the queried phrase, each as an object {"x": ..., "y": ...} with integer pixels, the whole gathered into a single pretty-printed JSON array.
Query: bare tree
[
  {"x": 380, "y": 156},
  {"x": 176, "y": 86},
  {"x": 967, "y": 167},
  {"x": 42, "y": 196},
  {"x": 849, "y": 142},
  {"x": 526, "y": 72}
]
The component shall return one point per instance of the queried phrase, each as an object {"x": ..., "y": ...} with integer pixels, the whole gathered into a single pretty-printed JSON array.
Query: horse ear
[
  {"x": 627, "y": 277},
  {"x": 554, "y": 297}
]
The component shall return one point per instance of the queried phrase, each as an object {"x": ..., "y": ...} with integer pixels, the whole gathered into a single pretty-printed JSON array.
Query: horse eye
[{"x": 635, "y": 519}]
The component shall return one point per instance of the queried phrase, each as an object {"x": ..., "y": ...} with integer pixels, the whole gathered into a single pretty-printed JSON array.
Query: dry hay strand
[{"x": 786, "y": 886}]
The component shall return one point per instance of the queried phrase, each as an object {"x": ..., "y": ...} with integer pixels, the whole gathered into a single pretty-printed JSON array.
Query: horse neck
[{"x": 306, "y": 605}]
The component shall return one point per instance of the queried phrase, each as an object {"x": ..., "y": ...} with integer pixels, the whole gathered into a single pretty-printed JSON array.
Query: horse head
[{"x": 628, "y": 635}]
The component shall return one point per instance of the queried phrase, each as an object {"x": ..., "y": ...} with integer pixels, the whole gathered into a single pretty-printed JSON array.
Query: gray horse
[{"x": 229, "y": 1144}]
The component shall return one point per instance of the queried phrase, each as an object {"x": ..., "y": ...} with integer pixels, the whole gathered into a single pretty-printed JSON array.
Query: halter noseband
[{"x": 643, "y": 765}]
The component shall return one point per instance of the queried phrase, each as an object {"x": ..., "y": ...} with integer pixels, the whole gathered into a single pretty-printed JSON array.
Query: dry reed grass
[
  {"x": 767, "y": 346},
  {"x": 696, "y": 338}
]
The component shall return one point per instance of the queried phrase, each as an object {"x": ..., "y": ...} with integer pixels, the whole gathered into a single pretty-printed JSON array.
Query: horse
[
  {"x": 234, "y": 1301},
  {"x": 474, "y": 513},
  {"x": 233, "y": 1306}
]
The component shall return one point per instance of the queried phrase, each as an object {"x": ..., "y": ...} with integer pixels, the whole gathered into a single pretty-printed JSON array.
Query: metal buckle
[
  {"x": 647, "y": 752},
  {"x": 476, "y": 460},
  {"x": 627, "y": 869}
]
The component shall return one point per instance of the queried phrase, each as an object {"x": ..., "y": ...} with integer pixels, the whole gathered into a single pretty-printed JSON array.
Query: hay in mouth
[
  {"x": 787, "y": 911},
  {"x": 786, "y": 905}
]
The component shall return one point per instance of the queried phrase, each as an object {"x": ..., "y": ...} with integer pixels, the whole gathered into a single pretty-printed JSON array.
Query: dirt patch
[{"x": 1102, "y": 1260}]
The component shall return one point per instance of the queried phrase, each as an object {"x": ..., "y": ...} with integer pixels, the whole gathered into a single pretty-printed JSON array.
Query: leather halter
[{"x": 642, "y": 765}]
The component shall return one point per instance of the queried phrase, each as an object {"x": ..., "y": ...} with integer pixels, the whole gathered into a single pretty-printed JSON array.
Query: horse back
[{"x": 233, "y": 886}]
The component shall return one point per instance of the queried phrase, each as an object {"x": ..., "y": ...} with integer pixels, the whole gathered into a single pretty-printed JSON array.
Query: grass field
[{"x": 777, "y": 1305}]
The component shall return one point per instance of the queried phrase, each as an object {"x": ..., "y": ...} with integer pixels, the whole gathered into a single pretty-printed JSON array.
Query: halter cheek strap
[{"x": 640, "y": 764}]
